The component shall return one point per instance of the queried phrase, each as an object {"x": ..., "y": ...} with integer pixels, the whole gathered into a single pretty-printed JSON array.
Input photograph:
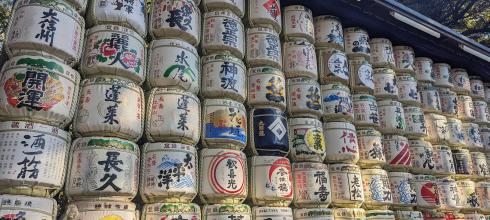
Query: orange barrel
[
  {"x": 385, "y": 83},
  {"x": 268, "y": 132},
  {"x": 407, "y": 91},
  {"x": 377, "y": 192},
  {"x": 263, "y": 47},
  {"x": 382, "y": 53},
  {"x": 466, "y": 111},
  {"x": 449, "y": 102},
  {"x": 306, "y": 140},
  {"x": 443, "y": 159},
  {"x": 397, "y": 152},
  {"x": 131, "y": 14},
  {"x": 461, "y": 81},
  {"x": 415, "y": 120},
  {"x": 430, "y": 98},
  {"x": 362, "y": 76},
  {"x": 223, "y": 31},
  {"x": 26, "y": 207},
  {"x": 442, "y": 75},
  {"x": 298, "y": 22},
  {"x": 477, "y": 90},
  {"x": 437, "y": 129},
  {"x": 328, "y": 32},
  {"x": 422, "y": 155},
  {"x": 357, "y": 42},
  {"x": 447, "y": 190},
  {"x": 237, "y": 6},
  {"x": 404, "y": 60},
  {"x": 426, "y": 190},
  {"x": 100, "y": 209},
  {"x": 311, "y": 185},
  {"x": 333, "y": 65},
  {"x": 264, "y": 13},
  {"x": 365, "y": 110},
  {"x": 424, "y": 70},
  {"x": 313, "y": 214},
  {"x": 158, "y": 211},
  {"x": 226, "y": 211},
  {"x": 299, "y": 59},
  {"x": 391, "y": 117},
  {"x": 336, "y": 102},
  {"x": 472, "y": 138},
  {"x": 304, "y": 97},
  {"x": 266, "y": 88},
  {"x": 341, "y": 141},
  {"x": 347, "y": 186},
  {"x": 404, "y": 196},
  {"x": 370, "y": 148},
  {"x": 456, "y": 134}
]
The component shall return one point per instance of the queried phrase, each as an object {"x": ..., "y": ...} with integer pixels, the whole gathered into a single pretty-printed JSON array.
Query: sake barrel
[
  {"x": 264, "y": 13},
  {"x": 382, "y": 53},
  {"x": 313, "y": 214},
  {"x": 461, "y": 81},
  {"x": 380, "y": 215},
  {"x": 346, "y": 184},
  {"x": 480, "y": 109},
  {"x": 272, "y": 213},
  {"x": 474, "y": 216},
  {"x": 169, "y": 173},
  {"x": 422, "y": 155},
  {"x": 311, "y": 185},
  {"x": 111, "y": 107},
  {"x": 487, "y": 91},
  {"x": 407, "y": 90},
  {"x": 467, "y": 193},
  {"x": 426, "y": 190},
  {"x": 238, "y": 7},
  {"x": 263, "y": 47},
  {"x": 370, "y": 148},
  {"x": 362, "y": 78},
  {"x": 442, "y": 75},
  {"x": 158, "y": 211},
  {"x": 341, "y": 141},
  {"x": 349, "y": 214},
  {"x": 266, "y": 87},
  {"x": 304, "y": 97},
  {"x": 299, "y": 59},
  {"x": 397, "y": 152},
  {"x": 38, "y": 89},
  {"x": 424, "y": 70},
  {"x": 116, "y": 51},
  {"x": 26, "y": 207},
  {"x": 271, "y": 181},
  {"x": 223, "y": 176},
  {"x": 268, "y": 134},
  {"x": 477, "y": 91},
  {"x": 131, "y": 14},
  {"x": 357, "y": 42},
  {"x": 32, "y": 30},
  {"x": 223, "y": 31},
  {"x": 385, "y": 83},
  {"x": 472, "y": 138},
  {"x": 479, "y": 163},
  {"x": 332, "y": 65},
  {"x": 175, "y": 19},
  {"x": 403, "y": 189},
  {"x": 415, "y": 120},
  {"x": 173, "y": 116},
  {"x": 224, "y": 76},
  {"x": 462, "y": 163},
  {"x": 430, "y": 98},
  {"x": 443, "y": 159},
  {"x": 306, "y": 140},
  {"x": 173, "y": 63},
  {"x": 448, "y": 194},
  {"x": 466, "y": 110},
  {"x": 298, "y": 22},
  {"x": 485, "y": 138},
  {"x": 449, "y": 102},
  {"x": 377, "y": 192},
  {"x": 226, "y": 211},
  {"x": 328, "y": 32},
  {"x": 437, "y": 129},
  {"x": 103, "y": 167},
  {"x": 365, "y": 110},
  {"x": 404, "y": 59},
  {"x": 35, "y": 157},
  {"x": 79, "y": 5},
  {"x": 224, "y": 124},
  {"x": 456, "y": 134},
  {"x": 482, "y": 191},
  {"x": 336, "y": 102},
  {"x": 100, "y": 209},
  {"x": 391, "y": 117},
  {"x": 408, "y": 215}
]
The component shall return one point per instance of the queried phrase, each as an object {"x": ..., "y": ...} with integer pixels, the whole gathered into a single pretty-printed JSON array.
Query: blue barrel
[{"x": 268, "y": 132}]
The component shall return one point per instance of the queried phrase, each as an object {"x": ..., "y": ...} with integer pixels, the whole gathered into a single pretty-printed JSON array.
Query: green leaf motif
[
  {"x": 101, "y": 58},
  {"x": 41, "y": 63}
]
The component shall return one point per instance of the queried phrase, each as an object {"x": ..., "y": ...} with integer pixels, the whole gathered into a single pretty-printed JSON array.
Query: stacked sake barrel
[{"x": 38, "y": 98}]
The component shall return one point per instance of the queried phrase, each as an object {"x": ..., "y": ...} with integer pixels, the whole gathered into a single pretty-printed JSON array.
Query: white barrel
[
  {"x": 437, "y": 129},
  {"x": 306, "y": 140},
  {"x": 480, "y": 109},
  {"x": 304, "y": 97},
  {"x": 79, "y": 5},
  {"x": 131, "y": 14},
  {"x": 116, "y": 51},
  {"x": 103, "y": 167},
  {"x": 430, "y": 98},
  {"x": 391, "y": 117},
  {"x": 100, "y": 209},
  {"x": 272, "y": 213},
  {"x": 404, "y": 59},
  {"x": 382, "y": 53},
  {"x": 225, "y": 212},
  {"x": 35, "y": 158},
  {"x": 268, "y": 132},
  {"x": 311, "y": 185},
  {"x": 298, "y": 22},
  {"x": 341, "y": 141},
  {"x": 224, "y": 124},
  {"x": 271, "y": 181},
  {"x": 263, "y": 47},
  {"x": 347, "y": 186},
  {"x": 462, "y": 163},
  {"x": 38, "y": 89},
  {"x": 266, "y": 87},
  {"x": 168, "y": 173},
  {"x": 173, "y": 63},
  {"x": 461, "y": 81},
  {"x": 349, "y": 214},
  {"x": 448, "y": 194},
  {"x": 443, "y": 159},
  {"x": 224, "y": 76},
  {"x": 299, "y": 59},
  {"x": 467, "y": 193},
  {"x": 370, "y": 148},
  {"x": 482, "y": 191},
  {"x": 175, "y": 19},
  {"x": 158, "y": 211},
  {"x": 422, "y": 155},
  {"x": 26, "y": 207},
  {"x": 407, "y": 90},
  {"x": 472, "y": 138},
  {"x": 333, "y": 65},
  {"x": 424, "y": 70},
  {"x": 397, "y": 152},
  {"x": 415, "y": 120},
  {"x": 466, "y": 111},
  {"x": 426, "y": 190},
  {"x": 264, "y": 13},
  {"x": 409, "y": 215},
  {"x": 313, "y": 214},
  {"x": 237, "y": 6},
  {"x": 173, "y": 115},
  {"x": 336, "y": 102},
  {"x": 442, "y": 75},
  {"x": 110, "y": 107},
  {"x": 479, "y": 163},
  {"x": 328, "y": 32},
  {"x": 485, "y": 138},
  {"x": 385, "y": 83},
  {"x": 380, "y": 215},
  {"x": 223, "y": 176},
  {"x": 357, "y": 42},
  {"x": 474, "y": 216},
  {"x": 449, "y": 102},
  {"x": 477, "y": 91},
  {"x": 487, "y": 91},
  {"x": 365, "y": 110},
  {"x": 35, "y": 29},
  {"x": 362, "y": 76},
  {"x": 456, "y": 134},
  {"x": 223, "y": 31},
  {"x": 403, "y": 189},
  {"x": 377, "y": 192}
]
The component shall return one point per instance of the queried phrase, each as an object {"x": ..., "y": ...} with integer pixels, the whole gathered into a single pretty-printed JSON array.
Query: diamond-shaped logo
[{"x": 278, "y": 128}]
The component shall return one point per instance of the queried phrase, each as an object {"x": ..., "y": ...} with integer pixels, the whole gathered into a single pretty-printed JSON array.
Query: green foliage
[{"x": 5, "y": 11}]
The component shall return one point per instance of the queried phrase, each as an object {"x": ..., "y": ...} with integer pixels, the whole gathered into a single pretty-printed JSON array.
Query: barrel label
[
  {"x": 171, "y": 171},
  {"x": 226, "y": 122},
  {"x": 117, "y": 50},
  {"x": 365, "y": 75},
  {"x": 280, "y": 180},
  {"x": 273, "y": 8},
  {"x": 312, "y": 185},
  {"x": 337, "y": 102},
  {"x": 379, "y": 188},
  {"x": 270, "y": 128},
  {"x": 306, "y": 140},
  {"x": 227, "y": 173},
  {"x": 304, "y": 95},
  {"x": 26, "y": 207},
  {"x": 337, "y": 64},
  {"x": 398, "y": 152},
  {"x": 406, "y": 193}
]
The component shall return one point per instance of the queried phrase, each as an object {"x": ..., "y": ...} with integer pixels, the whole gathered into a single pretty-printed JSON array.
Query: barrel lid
[
  {"x": 173, "y": 208},
  {"x": 395, "y": 48},
  {"x": 335, "y": 86},
  {"x": 383, "y": 71},
  {"x": 312, "y": 212},
  {"x": 379, "y": 41},
  {"x": 264, "y": 69},
  {"x": 172, "y": 42},
  {"x": 339, "y": 125},
  {"x": 223, "y": 13},
  {"x": 224, "y": 56},
  {"x": 363, "y": 97}
]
